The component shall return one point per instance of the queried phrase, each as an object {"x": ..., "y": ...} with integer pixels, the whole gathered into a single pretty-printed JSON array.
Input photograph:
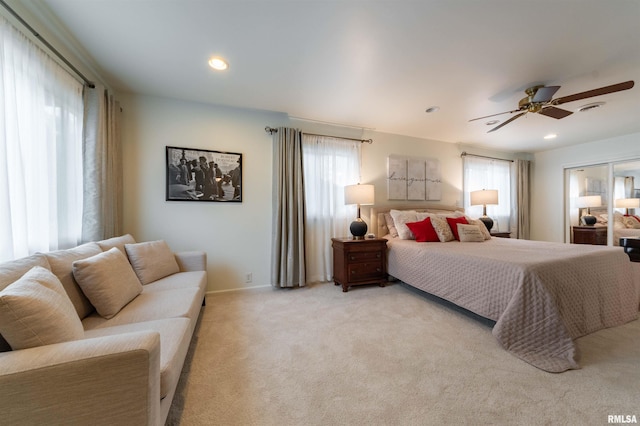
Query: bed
[
  {"x": 542, "y": 296},
  {"x": 623, "y": 226}
]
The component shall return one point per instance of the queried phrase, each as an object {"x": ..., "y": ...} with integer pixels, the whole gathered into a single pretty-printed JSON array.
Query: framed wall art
[
  {"x": 203, "y": 175},
  {"x": 413, "y": 178}
]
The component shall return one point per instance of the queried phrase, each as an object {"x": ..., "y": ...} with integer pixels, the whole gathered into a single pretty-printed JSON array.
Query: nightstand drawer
[
  {"x": 363, "y": 256},
  {"x": 364, "y": 271}
]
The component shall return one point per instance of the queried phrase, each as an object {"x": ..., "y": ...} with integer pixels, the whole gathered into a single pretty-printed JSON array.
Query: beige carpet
[{"x": 385, "y": 356}]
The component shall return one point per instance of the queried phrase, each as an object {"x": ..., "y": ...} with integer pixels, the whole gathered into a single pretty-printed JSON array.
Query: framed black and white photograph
[{"x": 203, "y": 175}]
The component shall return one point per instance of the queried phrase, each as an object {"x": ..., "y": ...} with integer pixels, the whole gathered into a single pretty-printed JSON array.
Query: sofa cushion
[
  {"x": 12, "y": 271},
  {"x": 153, "y": 305},
  {"x": 108, "y": 280},
  {"x": 35, "y": 311},
  {"x": 180, "y": 280},
  {"x": 152, "y": 260},
  {"x": 117, "y": 242},
  {"x": 175, "y": 335},
  {"x": 61, "y": 261}
]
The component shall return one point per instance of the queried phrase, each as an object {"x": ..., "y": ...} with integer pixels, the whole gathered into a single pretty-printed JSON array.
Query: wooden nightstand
[
  {"x": 357, "y": 262},
  {"x": 501, "y": 234},
  {"x": 590, "y": 235}
]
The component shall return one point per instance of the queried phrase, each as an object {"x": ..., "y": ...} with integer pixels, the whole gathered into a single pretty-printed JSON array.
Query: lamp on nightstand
[
  {"x": 482, "y": 198},
  {"x": 627, "y": 203},
  {"x": 589, "y": 201},
  {"x": 360, "y": 195}
]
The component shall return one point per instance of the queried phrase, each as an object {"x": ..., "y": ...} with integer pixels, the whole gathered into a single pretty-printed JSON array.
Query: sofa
[{"x": 97, "y": 334}]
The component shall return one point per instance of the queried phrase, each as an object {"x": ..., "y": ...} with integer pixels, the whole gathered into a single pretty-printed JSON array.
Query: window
[
  {"x": 41, "y": 113},
  {"x": 329, "y": 165},
  {"x": 483, "y": 173}
]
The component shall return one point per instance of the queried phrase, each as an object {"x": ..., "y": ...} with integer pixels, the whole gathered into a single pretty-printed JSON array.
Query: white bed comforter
[{"x": 541, "y": 295}]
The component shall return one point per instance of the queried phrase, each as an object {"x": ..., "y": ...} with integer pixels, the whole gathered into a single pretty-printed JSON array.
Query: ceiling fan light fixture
[
  {"x": 218, "y": 63},
  {"x": 551, "y": 136},
  {"x": 432, "y": 109},
  {"x": 589, "y": 107},
  {"x": 492, "y": 122}
]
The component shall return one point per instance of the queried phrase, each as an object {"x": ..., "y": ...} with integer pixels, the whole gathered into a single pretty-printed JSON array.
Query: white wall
[
  {"x": 547, "y": 179},
  {"x": 237, "y": 236}
]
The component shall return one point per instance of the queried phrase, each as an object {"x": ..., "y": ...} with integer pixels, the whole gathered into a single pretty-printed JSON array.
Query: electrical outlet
[{"x": 248, "y": 277}]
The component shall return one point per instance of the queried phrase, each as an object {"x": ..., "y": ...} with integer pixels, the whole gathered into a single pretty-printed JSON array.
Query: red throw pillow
[
  {"x": 424, "y": 231},
  {"x": 453, "y": 224}
]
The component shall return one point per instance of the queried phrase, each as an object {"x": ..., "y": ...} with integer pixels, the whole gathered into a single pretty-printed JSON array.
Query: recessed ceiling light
[
  {"x": 492, "y": 122},
  {"x": 591, "y": 106},
  {"x": 218, "y": 63},
  {"x": 551, "y": 136},
  {"x": 431, "y": 109}
]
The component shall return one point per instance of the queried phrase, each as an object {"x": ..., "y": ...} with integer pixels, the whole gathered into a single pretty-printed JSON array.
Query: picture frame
[{"x": 202, "y": 175}]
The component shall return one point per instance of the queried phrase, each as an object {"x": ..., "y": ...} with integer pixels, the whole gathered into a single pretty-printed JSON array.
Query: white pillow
[
  {"x": 108, "y": 281},
  {"x": 470, "y": 233},
  {"x": 442, "y": 229},
  {"x": 400, "y": 220},
  {"x": 36, "y": 311},
  {"x": 152, "y": 260}
]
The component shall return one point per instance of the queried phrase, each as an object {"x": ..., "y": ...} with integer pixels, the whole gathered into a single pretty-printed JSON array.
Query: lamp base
[
  {"x": 358, "y": 229},
  {"x": 589, "y": 220},
  {"x": 488, "y": 222}
]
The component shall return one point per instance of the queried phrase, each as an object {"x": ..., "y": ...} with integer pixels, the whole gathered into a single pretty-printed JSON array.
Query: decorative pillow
[
  {"x": 469, "y": 233},
  {"x": 391, "y": 227},
  {"x": 400, "y": 219},
  {"x": 108, "y": 281},
  {"x": 483, "y": 228},
  {"x": 442, "y": 229},
  {"x": 453, "y": 222},
  {"x": 61, "y": 261},
  {"x": 424, "y": 231},
  {"x": 631, "y": 222},
  {"x": 118, "y": 242},
  {"x": 152, "y": 260},
  {"x": 36, "y": 311}
]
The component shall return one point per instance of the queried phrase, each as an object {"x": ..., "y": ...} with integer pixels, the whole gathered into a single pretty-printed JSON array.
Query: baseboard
[{"x": 237, "y": 289}]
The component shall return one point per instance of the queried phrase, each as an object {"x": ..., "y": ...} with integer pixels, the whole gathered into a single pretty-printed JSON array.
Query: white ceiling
[{"x": 376, "y": 64}]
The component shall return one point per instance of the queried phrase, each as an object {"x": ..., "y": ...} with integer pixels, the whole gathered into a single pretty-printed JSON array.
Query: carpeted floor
[{"x": 385, "y": 356}]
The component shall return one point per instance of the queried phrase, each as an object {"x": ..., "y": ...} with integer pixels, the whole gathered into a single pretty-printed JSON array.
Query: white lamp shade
[
  {"x": 628, "y": 203},
  {"x": 484, "y": 197},
  {"x": 359, "y": 194},
  {"x": 589, "y": 201}
]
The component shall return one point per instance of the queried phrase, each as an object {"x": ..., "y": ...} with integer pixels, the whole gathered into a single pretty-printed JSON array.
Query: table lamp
[
  {"x": 483, "y": 198},
  {"x": 627, "y": 203},
  {"x": 589, "y": 201},
  {"x": 359, "y": 195}
]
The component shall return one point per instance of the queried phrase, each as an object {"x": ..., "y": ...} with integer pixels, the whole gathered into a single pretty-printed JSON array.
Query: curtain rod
[
  {"x": 88, "y": 82},
  {"x": 271, "y": 131},
  {"x": 464, "y": 153}
]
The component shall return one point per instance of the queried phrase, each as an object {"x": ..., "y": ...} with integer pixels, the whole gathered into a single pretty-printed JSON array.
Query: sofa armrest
[
  {"x": 191, "y": 261},
  {"x": 106, "y": 380}
]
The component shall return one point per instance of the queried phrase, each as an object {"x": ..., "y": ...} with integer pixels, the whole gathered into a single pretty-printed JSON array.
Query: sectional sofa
[{"x": 97, "y": 334}]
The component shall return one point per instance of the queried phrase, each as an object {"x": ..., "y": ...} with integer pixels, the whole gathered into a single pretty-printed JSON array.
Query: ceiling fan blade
[
  {"x": 554, "y": 112},
  {"x": 544, "y": 94},
  {"x": 507, "y": 122},
  {"x": 595, "y": 92},
  {"x": 493, "y": 115}
]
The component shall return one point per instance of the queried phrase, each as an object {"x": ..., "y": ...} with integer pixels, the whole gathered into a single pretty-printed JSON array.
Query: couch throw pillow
[
  {"x": 108, "y": 281},
  {"x": 152, "y": 260},
  {"x": 424, "y": 231},
  {"x": 36, "y": 311}
]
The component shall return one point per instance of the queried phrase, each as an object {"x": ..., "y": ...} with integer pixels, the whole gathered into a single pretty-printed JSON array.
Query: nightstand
[
  {"x": 590, "y": 235},
  {"x": 501, "y": 234},
  {"x": 358, "y": 262}
]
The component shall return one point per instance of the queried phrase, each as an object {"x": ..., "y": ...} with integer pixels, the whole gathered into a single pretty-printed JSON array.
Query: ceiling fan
[{"x": 539, "y": 100}]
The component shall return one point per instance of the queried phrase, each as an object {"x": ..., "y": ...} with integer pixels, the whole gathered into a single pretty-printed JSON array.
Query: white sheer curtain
[
  {"x": 483, "y": 173},
  {"x": 329, "y": 165},
  {"x": 40, "y": 149}
]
